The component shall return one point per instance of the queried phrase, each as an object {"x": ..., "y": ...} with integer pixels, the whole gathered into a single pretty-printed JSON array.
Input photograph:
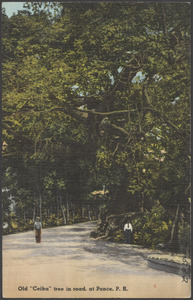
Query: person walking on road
[
  {"x": 38, "y": 230},
  {"x": 128, "y": 229}
]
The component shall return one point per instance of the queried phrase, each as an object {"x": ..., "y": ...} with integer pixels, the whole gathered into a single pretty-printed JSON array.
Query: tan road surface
[{"x": 70, "y": 264}]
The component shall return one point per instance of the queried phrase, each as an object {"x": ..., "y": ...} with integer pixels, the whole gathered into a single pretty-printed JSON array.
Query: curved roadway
[{"x": 70, "y": 264}]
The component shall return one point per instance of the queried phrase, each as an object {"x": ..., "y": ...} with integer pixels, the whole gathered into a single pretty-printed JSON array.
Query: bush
[
  {"x": 51, "y": 221},
  {"x": 16, "y": 225},
  {"x": 153, "y": 228},
  {"x": 184, "y": 236},
  {"x": 119, "y": 236}
]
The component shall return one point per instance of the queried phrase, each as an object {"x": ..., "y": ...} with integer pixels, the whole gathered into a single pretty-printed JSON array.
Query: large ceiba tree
[{"x": 107, "y": 82}]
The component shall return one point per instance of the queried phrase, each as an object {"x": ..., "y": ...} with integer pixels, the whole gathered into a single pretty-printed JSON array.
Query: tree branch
[
  {"x": 164, "y": 20},
  {"x": 158, "y": 114},
  {"x": 120, "y": 129},
  {"x": 21, "y": 136},
  {"x": 108, "y": 113}
]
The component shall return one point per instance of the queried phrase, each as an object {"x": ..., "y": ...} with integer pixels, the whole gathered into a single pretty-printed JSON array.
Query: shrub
[
  {"x": 184, "y": 236},
  {"x": 51, "y": 221},
  {"x": 119, "y": 236},
  {"x": 15, "y": 224},
  {"x": 153, "y": 228}
]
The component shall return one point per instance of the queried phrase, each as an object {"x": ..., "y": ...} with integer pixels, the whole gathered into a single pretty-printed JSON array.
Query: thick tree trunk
[
  {"x": 34, "y": 212},
  {"x": 63, "y": 212},
  {"x": 40, "y": 195},
  {"x": 57, "y": 209},
  {"x": 82, "y": 212},
  {"x": 89, "y": 214},
  {"x": 67, "y": 208},
  {"x": 173, "y": 244}
]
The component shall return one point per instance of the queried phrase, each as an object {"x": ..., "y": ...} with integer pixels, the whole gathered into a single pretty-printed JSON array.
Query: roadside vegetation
[{"x": 96, "y": 97}]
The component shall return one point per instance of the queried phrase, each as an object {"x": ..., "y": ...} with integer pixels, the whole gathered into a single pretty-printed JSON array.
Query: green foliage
[
  {"x": 16, "y": 224},
  {"x": 52, "y": 221},
  {"x": 153, "y": 228},
  {"x": 94, "y": 94},
  {"x": 118, "y": 236},
  {"x": 184, "y": 235}
]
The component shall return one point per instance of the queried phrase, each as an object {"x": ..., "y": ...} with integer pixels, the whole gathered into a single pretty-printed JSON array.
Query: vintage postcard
[{"x": 96, "y": 109}]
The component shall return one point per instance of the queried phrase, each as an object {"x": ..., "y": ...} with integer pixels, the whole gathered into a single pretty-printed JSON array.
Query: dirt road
[{"x": 70, "y": 264}]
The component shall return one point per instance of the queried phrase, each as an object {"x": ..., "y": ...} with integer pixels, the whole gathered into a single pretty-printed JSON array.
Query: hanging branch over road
[{"x": 160, "y": 115}]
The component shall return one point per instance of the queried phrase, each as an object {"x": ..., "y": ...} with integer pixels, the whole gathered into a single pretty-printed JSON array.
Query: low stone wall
[{"x": 170, "y": 264}]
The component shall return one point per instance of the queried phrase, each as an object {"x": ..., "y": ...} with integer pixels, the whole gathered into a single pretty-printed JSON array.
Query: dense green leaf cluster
[{"x": 97, "y": 94}]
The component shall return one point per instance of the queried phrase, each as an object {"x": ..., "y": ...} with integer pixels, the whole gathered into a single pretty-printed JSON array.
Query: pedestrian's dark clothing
[
  {"x": 128, "y": 236},
  {"x": 38, "y": 235},
  {"x": 38, "y": 231}
]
